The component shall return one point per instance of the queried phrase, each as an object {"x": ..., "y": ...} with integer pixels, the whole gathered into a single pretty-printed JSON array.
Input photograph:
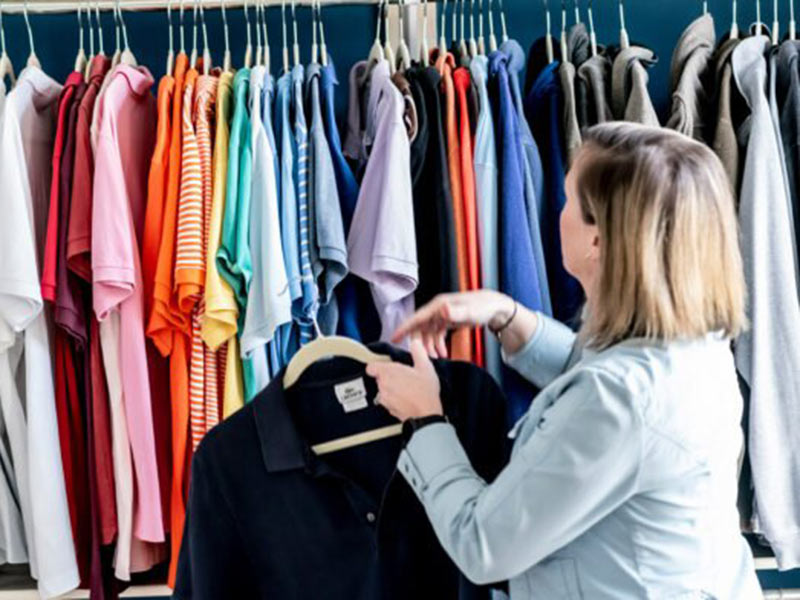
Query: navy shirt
[
  {"x": 543, "y": 105},
  {"x": 267, "y": 518}
]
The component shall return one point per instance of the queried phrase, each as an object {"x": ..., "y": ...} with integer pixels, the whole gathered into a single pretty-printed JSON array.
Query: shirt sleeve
[
  {"x": 546, "y": 354},
  {"x": 210, "y": 564},
  {"x": 580, "y": 463}
]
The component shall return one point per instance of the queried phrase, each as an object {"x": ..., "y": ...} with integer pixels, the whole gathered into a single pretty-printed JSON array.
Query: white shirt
[{"x": 26, "y": 145}]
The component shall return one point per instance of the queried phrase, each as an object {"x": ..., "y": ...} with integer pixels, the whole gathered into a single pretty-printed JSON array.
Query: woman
[{"x": 622, "y": 478}]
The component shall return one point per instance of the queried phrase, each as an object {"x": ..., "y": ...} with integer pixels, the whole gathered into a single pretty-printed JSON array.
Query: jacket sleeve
[
  {"x": 581, "y": 462},
  {"x": 546, "y": 354}
]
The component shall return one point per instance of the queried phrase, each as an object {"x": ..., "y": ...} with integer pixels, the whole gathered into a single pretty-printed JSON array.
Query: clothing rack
[{"x": 57, "y": 6}]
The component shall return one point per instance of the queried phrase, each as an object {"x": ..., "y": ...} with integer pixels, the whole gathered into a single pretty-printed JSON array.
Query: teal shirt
[
  {"x": 233, "y": 256},
  {"x": 622, "y": 480}
]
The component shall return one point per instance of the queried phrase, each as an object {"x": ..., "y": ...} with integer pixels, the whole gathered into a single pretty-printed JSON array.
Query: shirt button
[
  {"x": 542, "y": 423},
  {"x": 371, "y": 517}
]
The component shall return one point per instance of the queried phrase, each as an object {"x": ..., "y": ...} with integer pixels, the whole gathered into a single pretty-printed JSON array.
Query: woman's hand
[
  {"x": 408, "y": 392},
  {"x": 450, "y": 311}
]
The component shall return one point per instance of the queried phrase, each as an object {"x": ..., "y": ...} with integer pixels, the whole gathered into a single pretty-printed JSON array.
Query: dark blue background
[{"x": 349, "y": 33}]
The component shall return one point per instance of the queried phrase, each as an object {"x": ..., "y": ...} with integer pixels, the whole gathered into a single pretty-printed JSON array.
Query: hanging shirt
[
  {"x": 28, "y": 128},
  {"x": 328, "y": 248},
  {"x": 486, "y": 169},
  {"x": 543, "y": 110},
  {"x": 724, "y": 141},
  {"x": 288, "y": 205},
  {"x": 347, "y": 189},
  {"x": 518, "y": 275},
  {"x": 630, "y": 99},
  {"x": 125, "y": 143},
  {"x": 291, "y": 512},
  {"x": 594, "y": 77},
  {"x": 268, "y": 303},
  {"x": 78, "y": 259},
  {"x": 12, "y": 535},
  {"x": 381, "y": 245},
  {"x": 768, "y": 354},
  {"x": 690, "y": 61},
  {"x": 788, "y": 91},
  {"x": 460, "y": 344},
  {"x": 461, "y": 83}
]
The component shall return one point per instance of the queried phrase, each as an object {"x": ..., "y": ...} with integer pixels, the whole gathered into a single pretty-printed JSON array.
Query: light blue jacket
[{"x": 621, "y": 483}]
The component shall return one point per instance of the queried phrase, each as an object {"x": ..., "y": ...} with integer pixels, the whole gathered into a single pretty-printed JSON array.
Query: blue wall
[
  {"x": 350, "y": 29},
  {"x": 349, "y": 32}
]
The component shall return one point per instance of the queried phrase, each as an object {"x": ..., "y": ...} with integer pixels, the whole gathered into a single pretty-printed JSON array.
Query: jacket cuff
[
  {"x": 544, "y": 356},
  {"x": 431, "y": 451}
]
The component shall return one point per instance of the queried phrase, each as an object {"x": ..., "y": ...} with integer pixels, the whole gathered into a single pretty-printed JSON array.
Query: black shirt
[
  {"x": 433, "y": 200},
  {"x": 267, "y": 518}
]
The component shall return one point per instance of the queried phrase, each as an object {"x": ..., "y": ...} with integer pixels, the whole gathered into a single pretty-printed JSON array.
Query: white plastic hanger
[
  {"x": 33, "y": 60},
  {"x": 6, "y": 68},
  {"x": 624, "y": 41},
  {"x": 193, "y": 55},
  {"x": 403, "y": 53},
  {"x": 462, "y": 42},
  {"x": 563, "y": 39},
  {"x": 117, "y": 56},
  {"x": 481, "y": 45},
  {"x": 206, "y": 49},
  {"x": 424, "y": 51},
  {"x": 705, "y": 7},
  {"x": 295, "y": 44},
  {"x": 734, "y": 25},
  {"x": 338, "y": 347},
  {"x": 388, "y": 51},
  {"x": 100, "y": 41},
  {"x": 87, "y": 69},
  {"x": 182, "y": 29},
  {"x": 376, "y": 51},
  {"x": 226, "y": 57},
  {"x": 80, "y": 59},
  {"x": 758, "y": 17},
  {"x": 492, "y": 38},
  {"x": 473, "y": 44},
  {"x": 248, "y": 49},
  {"x": 792, "y": 23},
  {"x": 775, "y": 24},
  {"x": 171, "y": 51},
  {"x": 454, "y": 24},
  {"x": 548, "y": 37},
  {"x": 259, "y": 48},
  {"x": 503, "y": 30},
  {"x": 592, "y": 34},
  {"x": 314, "y": 44},
  {"x": 577, "y": 13},
  {"x": 127, "y": 57},
  {"x": 323, "y": 48},
  {"x": 266, "y": 37},
  {"x": 442, "y": 42}
]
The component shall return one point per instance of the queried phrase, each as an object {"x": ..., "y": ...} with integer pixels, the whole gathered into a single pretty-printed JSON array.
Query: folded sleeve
[
  {"x": 546, "y": 354},
  {"x": 580, "y": 463}
]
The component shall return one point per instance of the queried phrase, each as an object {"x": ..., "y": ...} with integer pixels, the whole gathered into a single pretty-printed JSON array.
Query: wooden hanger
[
  {"x": 6, "y": 68},
  {"x": 338, "y": 347}
]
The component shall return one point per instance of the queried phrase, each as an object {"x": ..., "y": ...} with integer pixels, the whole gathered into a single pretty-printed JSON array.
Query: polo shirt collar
[
  {"x": 139, "y": 78},
  {"x": 282, "y": 446}
]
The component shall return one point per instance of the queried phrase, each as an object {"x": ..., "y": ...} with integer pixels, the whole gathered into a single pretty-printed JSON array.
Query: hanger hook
[
  {"x": 206, "y": 50},
  {"x": 80, "y": 29},
  {"x": 225, "y": 25},
  {"x": 264, "y": 25},
  {"x": 246, "y": 9},
  {"x": 577, "y": 7},
  {"x": 2, "y": 33},
  {"x": 100, "y": 42},
  {"x": 502, "y": 21},
  {"x": 295, "y": 45},
  {"x": 91, "y": 30},
  {"x": 182, "y": 32},
  {"x": 563, "y": 16},
  {"x": 28, "y": 26},
  {"x": 195, "y": 5},
  {"x": 491, "y": 19},
  {"x": 169, "y": 28}
]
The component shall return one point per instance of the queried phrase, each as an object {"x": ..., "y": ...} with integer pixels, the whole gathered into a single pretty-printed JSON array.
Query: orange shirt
[
  {"x": 165, "y": 315},
  {"x": 461, "y": 82},
  {"x": 460, "y": 342}
]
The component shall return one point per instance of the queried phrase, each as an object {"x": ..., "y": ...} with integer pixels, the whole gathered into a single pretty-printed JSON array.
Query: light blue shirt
[
  {"x": 327, "y": 241},
  {"x": 485, "y": 163},
  {"x": 622, "y": 480}
]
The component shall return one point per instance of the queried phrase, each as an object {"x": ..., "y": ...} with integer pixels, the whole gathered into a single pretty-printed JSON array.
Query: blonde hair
[{"x": 671, "y": 266}]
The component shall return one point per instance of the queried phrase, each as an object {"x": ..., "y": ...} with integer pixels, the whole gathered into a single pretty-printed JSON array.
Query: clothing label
[{"x": 352, "y": 395}]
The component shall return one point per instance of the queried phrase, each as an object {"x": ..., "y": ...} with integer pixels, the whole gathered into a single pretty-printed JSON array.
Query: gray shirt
[
  {"x": 768, "y": 354},
  {"x": 689, "y": 64},
  {"x": 594, "y": 77},
  {"x": 621, "y": 482}
]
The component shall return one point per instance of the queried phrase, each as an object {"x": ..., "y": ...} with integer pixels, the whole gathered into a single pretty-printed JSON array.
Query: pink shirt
[{"x": 125, "y": 139}]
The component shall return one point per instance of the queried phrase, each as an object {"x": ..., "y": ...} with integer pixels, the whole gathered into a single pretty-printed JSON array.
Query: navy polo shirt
[{"x": 267, "y": 518}]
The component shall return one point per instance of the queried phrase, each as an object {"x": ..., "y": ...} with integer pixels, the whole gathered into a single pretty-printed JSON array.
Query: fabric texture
[{"x": 630, "y": 99}]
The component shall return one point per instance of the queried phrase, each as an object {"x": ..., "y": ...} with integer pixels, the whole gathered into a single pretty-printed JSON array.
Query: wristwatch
[{"x": 411, "y": 426}]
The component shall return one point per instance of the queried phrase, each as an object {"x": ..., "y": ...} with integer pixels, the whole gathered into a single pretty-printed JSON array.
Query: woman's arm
[{"x": 580, "y": 463}]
